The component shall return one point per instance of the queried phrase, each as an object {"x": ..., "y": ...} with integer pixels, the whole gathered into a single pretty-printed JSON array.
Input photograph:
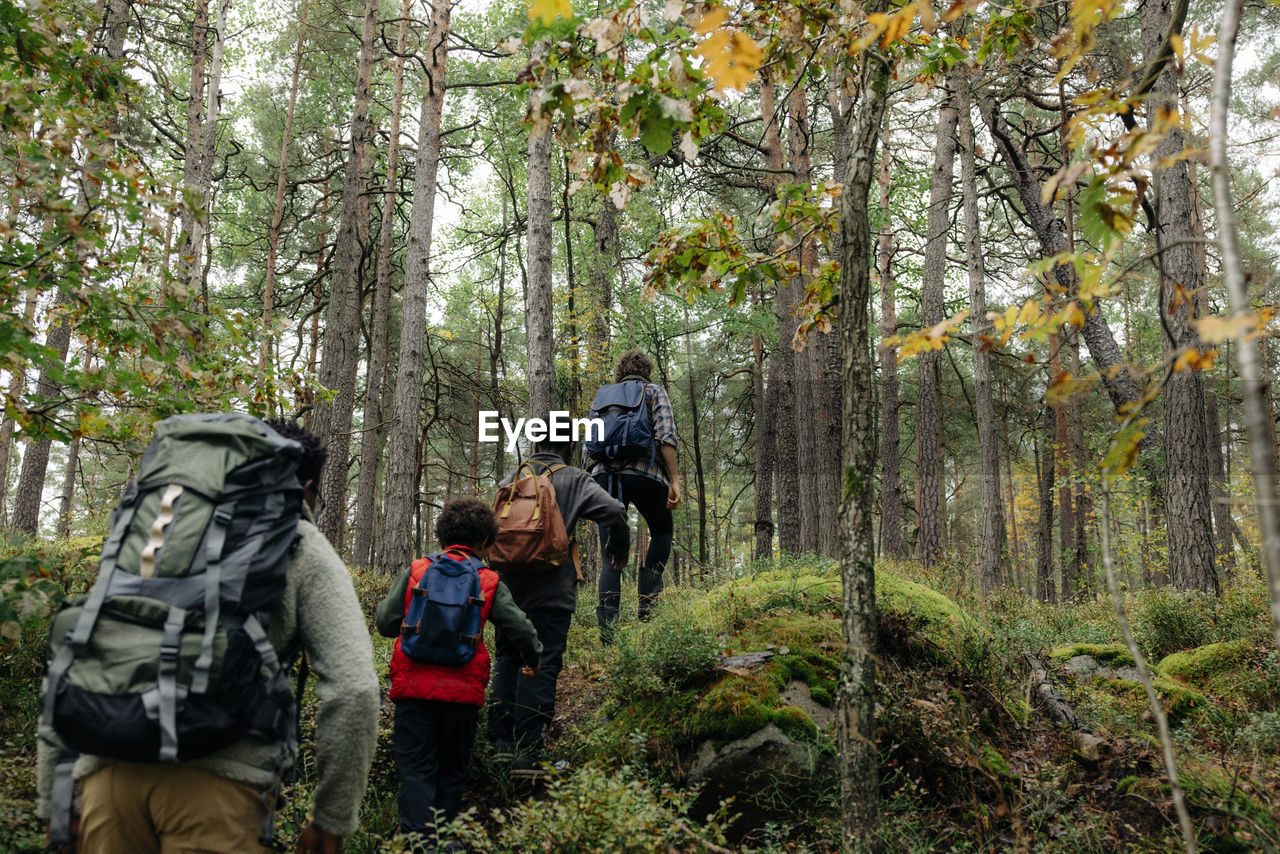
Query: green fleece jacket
[{"x": 320, "y": 610}]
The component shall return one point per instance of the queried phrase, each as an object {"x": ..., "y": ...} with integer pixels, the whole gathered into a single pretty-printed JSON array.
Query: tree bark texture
[
  {"x": 375, "y": 376},
  {"x": 928, "y": 410},
  {"x": 539, "y": 328},
  {"x": 808, "y": 372},
  {"x": 782, "y": 379},
  {"x": 213, "y": 84},
  {"x": 855, "y": 701},
  {"x": 1045, "y": 587},
  {"x": 192, "y": 143},
  {"x": 1187, "y": 492},
  {"x": 69, "y": 486},
  {"x": 267, "y": 345},
  {"x": 1259, "y": 420},
  {"x": 403, "y": 461},
  {"x": 1218, "y": 481},
  {"x": 991, "y": 560},
  {"x": 892, "y": 542},
  {"x": 17, "y": 384},
  {"x": 340, "y": 359}
]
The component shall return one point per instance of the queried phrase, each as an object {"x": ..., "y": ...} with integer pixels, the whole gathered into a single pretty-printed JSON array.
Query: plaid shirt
[{"x": 664, "y": 433}]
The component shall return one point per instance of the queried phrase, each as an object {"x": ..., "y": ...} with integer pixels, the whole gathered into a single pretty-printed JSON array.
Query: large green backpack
[{"x": 167, "y": 657}]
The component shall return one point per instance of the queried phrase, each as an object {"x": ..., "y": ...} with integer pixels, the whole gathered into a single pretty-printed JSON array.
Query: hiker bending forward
[
  {"x": 521, "y": 706},
  {"x": 650, "y": 481},
  {"x": 217, "y": 803},
  {"x": 437, "y": 705}
]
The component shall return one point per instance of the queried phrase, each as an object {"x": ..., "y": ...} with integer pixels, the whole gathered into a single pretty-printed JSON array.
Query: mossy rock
[
  {"x": 1178, "y": 699},
  {"x": 1116, "y": 654},
  {"x": 1211, "y": 666}
]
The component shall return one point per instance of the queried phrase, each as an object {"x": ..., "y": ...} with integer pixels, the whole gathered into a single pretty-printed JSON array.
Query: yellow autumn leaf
[
  {"x": 713, "y": 20},
  {"x": 547, "y": 11},
  {"x": 1215, "y": 330},
  {"x": 732, "y": 59},
  {"x": 898, "y": 26},
  {"x": 1074, "y": 315},
  {"x": 1030, "y": 312},
  {"x": 1011, "y": 317}
]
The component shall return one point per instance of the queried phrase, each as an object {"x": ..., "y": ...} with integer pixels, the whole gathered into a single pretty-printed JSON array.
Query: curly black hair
[
  {"x": 466, "y": 522},
  {"x": 633, "y": 363},
  {"x": 314, "y": 453}
]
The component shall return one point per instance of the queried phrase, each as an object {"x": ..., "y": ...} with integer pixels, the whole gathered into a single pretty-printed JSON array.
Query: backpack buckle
[
  {"x": 408, "y": 630},
  {"x": 472, "y": 640}
]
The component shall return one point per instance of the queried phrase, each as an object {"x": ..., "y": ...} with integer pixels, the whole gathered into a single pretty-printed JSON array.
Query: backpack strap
[
  {"x": 215, "y": 539},
  {"x": 167, "y": 683},
  {"x": 62, "y": 801}
]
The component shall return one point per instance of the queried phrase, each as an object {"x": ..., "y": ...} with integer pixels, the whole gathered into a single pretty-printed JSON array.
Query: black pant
[
  {"x": 650, "y": 498},
  {"x": 521, "y": 707},
  {"x": 432, "y": 743}
]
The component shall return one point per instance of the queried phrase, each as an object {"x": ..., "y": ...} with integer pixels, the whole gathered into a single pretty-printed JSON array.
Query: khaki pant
[{"x": 167, "y": 809}]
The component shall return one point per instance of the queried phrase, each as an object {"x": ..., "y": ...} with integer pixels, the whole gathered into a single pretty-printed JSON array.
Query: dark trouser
[
  {"x": 650, "y": 498},
  {"x": 432, "y": 742},
  {"x": 521, "y": 707}
]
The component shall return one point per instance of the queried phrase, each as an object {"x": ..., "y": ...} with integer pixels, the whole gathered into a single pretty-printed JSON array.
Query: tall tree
[
  {"x": 991, "y": 562},
  {"x": 109, "y": 39},
  {"x": 928, "y": 410},
  {"x": 404, "y": 465},
  {"x": 340, "y": 359},
  {"x": 1187, "y": 492},
  {"x": 371, "y": 438},
  {"x": 1046, "y": 589},
  {"x": 539, "y": 328},
  {"x": 891, "y": 542},
  {"x": 208, "y": 143}
]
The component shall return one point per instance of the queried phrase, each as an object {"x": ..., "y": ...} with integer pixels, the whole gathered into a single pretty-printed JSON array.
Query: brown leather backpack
[{"x": 531, "y": 533}]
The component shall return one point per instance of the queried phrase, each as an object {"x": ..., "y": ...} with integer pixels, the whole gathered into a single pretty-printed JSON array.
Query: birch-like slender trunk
[
  {"x": 198, "y": 272},
  {"x": 375, "y": 376},
  {"x": 892, "y": 542},
  {"x": 192, "y": 143},
  {"x": 267, "y": 346},
  {"x": 928, "y": 410},
  {"x": 855, "y": 700},
  {"x": 539, "y": 329},
  {"x": 1258, "y": 419},
  {"x": 341, "y": 356},
  {"x": 991, "y": 562},
  {"x": 403, "y": 462}
]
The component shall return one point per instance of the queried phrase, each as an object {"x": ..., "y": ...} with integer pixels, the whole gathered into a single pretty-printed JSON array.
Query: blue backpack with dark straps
[
  {"x": 443, "y": 621},
  {"x": 628, "y": 431}
]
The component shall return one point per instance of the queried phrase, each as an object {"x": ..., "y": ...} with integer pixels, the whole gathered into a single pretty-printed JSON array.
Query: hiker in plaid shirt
[{"x": 652, "y": 484}]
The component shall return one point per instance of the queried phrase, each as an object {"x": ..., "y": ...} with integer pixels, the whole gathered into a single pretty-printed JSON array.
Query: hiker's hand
[
  {"x": 313, "y": 840},
  {"x": 619, "y": 561},
  {"x": 531, "y": 671},
  {"x": 673, "y": 495}
]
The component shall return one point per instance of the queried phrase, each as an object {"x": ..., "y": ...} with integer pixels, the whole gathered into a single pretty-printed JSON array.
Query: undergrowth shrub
[
  {"x": 672, "y": 651},
  {"x": 595, "y": 809},
  {"x": 1167, "y": 620}
]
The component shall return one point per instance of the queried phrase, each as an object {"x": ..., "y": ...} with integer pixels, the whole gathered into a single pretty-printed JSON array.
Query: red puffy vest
[{"x": 411, "y": 680}]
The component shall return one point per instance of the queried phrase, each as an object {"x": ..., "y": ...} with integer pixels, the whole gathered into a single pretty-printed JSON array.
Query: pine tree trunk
[
  {"x": 539, "y": 329},
  {"x": 192, "y": 145},
  {"x": 892, "y": 542},
  {"x": 209, "y": 129},
  {"x": 69, "y": 486},
  {"x": 1218, "y": 481},
  {"x": 1188, "y": 499},
  {"x": 403, "y": 460},
  {"x": 17, "y": 383},
  {"x": 341, "y": 357},
  {"x": 764, "y": 444},
  {"x": 928, "y": 414},
  {"x": 855, "y": 701},
  {"x": 699, "y": 475},
  {"x": 782, "y": 390},
  {"x": 808, "y": 375},
  {"x": 1045, "y": 589},
  {"x": 605, "y": 240},
  {"x": 267, "y": 346},
  {"x": 991, "y": 561},
  {"x": 375, "y": 377}
]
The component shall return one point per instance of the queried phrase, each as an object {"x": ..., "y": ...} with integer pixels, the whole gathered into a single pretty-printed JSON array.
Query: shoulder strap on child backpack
[{"x": 531, "y": 532}]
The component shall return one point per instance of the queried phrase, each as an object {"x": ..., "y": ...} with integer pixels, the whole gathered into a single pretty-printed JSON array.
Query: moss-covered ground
[{"x": 967, "y": 762}]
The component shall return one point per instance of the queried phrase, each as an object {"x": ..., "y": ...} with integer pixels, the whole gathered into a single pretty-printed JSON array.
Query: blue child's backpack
[
  {"x": 442, "y": 623},
  {"x": 628, "y": 433}
]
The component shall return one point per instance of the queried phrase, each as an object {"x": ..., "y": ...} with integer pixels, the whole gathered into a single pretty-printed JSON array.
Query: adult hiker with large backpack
[
  {"x": 635, "y": 461},
  {"x": 538, "y": 508},
  {"x": 436, "y": 609},
  {"x": 167, "y": 694}
]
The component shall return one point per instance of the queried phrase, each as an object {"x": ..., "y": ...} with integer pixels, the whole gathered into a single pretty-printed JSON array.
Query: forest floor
[{"x": 969, "y": 760}]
